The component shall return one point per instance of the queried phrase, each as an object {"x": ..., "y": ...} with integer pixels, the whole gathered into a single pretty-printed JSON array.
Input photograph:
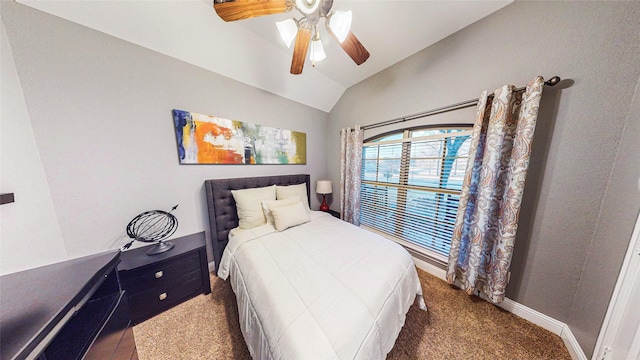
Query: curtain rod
[{"x": 461, "y": 105}]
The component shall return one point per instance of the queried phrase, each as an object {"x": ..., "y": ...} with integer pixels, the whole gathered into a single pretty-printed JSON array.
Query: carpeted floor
[{"x": 457, "y": 326}]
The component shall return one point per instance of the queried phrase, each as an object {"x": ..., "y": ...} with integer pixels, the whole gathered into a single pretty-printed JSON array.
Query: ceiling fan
[{"x": 303, "y": 30}]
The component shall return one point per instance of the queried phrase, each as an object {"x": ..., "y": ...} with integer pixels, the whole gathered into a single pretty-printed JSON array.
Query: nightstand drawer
[
  {"x": 167, "y": 273},
  {"x": 157, "y": 299}
]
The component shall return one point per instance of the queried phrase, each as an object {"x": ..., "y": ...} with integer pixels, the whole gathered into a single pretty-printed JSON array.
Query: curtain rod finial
[{"x": 553, "y": 81}]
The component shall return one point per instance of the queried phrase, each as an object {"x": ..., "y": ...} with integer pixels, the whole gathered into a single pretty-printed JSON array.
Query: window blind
[{"x": 411, "y": 184}]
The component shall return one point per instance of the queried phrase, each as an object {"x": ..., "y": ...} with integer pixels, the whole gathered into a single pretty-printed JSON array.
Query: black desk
[{"x": 44, "y": 309}]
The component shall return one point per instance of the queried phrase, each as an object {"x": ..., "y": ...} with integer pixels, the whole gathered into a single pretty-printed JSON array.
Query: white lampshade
[
  {"x": 340, "y": 24},
  {"x": 317, "y": 51},
  {"x": 323, "y": 187},
  {"x": 288, "y": 30}
]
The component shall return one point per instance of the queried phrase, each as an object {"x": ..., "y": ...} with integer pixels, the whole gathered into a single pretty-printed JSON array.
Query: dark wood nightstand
[
  {"x": 155, "y": 283},
  {"x": 334, "y": 213}
]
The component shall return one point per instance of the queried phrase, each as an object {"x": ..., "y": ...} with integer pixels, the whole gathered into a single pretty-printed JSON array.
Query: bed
[{"x": 319, "y": 289}]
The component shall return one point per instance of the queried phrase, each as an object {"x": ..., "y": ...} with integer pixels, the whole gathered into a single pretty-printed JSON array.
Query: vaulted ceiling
[{"x": 251, "y": 51}]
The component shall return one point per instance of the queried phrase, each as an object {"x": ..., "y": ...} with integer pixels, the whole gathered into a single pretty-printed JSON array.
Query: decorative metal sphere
[{"x": 154, "y": 226}]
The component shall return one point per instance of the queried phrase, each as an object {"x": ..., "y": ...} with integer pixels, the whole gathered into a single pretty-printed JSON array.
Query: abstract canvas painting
[{"x": 204, "y": 139}]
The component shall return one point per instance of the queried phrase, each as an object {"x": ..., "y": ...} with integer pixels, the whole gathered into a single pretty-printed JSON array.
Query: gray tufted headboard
[{"x": 222, "y": 207}]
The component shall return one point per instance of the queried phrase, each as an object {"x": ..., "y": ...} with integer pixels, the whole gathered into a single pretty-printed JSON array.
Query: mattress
[{"x": 321, "y": 290}]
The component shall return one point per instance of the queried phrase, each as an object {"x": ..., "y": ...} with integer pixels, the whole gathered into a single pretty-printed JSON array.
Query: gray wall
[
  {"x": 22, "y": 173},
  {"x": 618, "y": 215},
  {"x": 570, "y": 243},
  {"x": 100, "y": 110}
]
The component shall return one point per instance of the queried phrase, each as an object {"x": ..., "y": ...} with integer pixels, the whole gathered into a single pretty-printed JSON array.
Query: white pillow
[
  {"x": 287, "y": 216},
  {"x": 267, "y": 205},
  {"x": 249, "y": 205},
  {"x": 294, "y": 191}
]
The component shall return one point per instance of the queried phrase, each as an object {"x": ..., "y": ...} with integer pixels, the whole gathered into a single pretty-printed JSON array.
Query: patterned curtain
[
  {"x": 487, "y": 219},
  {"x": 350, "y": 165}
]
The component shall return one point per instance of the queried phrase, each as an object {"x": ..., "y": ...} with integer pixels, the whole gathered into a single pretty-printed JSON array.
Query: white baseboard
[
  {"x": 212, "y": 266},
  {"x": 536, "y": 317},
  {"x": 546, "y": 322},
  {"x": 431, "y": 269},
  {"x": 572, "y": 344}
]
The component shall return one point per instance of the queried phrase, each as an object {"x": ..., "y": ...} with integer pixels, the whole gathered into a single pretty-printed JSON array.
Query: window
[{"x": 411, "y": 182}]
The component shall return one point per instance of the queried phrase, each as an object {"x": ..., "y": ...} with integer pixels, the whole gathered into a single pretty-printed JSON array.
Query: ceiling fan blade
[
  {"x": 352, "y": 46},
  {"x": 244, "y": 9},
  {"x": 300, "y": 50}
]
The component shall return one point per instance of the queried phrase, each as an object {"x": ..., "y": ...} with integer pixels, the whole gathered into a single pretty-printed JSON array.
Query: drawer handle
[
  {"x": 159, "y": 274},
  {"x": 162, "y": 296}
]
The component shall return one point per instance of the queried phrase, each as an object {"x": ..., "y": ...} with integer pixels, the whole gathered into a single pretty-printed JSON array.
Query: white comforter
[{"x": 322, "y": 290}]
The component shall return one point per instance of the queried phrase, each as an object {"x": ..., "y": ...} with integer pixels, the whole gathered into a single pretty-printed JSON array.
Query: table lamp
[{"x": 324, "y": 187}]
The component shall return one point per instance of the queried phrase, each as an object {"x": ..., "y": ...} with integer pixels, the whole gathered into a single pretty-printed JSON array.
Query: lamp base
[
  {"x": 162, "y": 246},
  {"x": 324, "y": 206}
]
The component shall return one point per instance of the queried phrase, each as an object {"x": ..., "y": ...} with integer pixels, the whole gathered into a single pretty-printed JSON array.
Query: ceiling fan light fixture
[
  {"x": 317, "y": 51},
  {"x": 307, "y": 7},
  {"x": 340, "y": 24},
  {"x": 288, "y": 30},
  {"x": 303, "y": 30}
]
